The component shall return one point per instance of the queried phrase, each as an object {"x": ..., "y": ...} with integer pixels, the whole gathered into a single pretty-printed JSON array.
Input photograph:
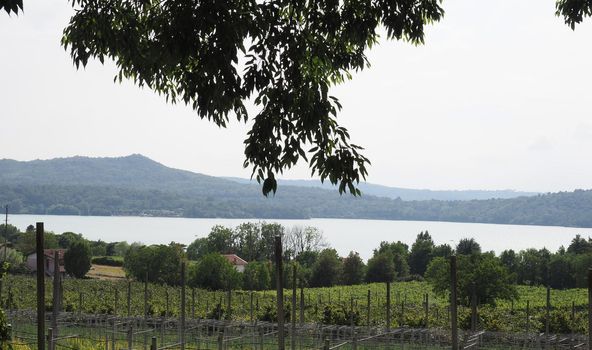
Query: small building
[
  {"x": 236, "y": 261},
  {"x": 49, "y": 261}
]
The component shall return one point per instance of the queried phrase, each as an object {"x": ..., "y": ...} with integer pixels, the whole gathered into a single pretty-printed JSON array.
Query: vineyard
[{"x": 364, "y": 305}]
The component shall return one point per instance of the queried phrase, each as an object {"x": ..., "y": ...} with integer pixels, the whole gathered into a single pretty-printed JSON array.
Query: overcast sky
[{"x": 499, "y": 98}]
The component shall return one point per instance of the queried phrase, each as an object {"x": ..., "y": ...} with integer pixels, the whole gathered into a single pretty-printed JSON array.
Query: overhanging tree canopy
[
  {"x": 574, "y": 11},
  {"x": 283, "y": 55}
]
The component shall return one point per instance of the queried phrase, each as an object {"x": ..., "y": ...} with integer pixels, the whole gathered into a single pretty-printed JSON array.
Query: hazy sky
[{"x": 499, "y": 97}]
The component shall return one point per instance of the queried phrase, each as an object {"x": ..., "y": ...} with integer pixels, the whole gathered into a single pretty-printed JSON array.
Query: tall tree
[
  {"x": 353, "y": 269},
  {"x": 468, "y": 246},
  {"x": 381, "y": 268},
  {"x": 482, "y": 274},
  {"x": 77, "y": 259},
  {"x": 421, "y": 253},
  {"x": 327, "y": 270}
]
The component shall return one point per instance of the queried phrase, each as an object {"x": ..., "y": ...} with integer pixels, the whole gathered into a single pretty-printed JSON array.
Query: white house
[
  {"x": 236, "y": 261},
  {"x": 49, "y": 261}
]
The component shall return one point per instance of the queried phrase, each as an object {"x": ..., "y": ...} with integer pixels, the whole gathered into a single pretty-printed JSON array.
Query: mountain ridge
[{"x": 137, "y": 185}]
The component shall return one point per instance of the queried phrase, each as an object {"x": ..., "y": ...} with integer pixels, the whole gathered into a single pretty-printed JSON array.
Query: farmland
[{"x": 321, "y": 305}]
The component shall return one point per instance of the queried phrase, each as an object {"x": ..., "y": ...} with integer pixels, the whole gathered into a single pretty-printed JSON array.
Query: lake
[{"x": 342, "y": 234}]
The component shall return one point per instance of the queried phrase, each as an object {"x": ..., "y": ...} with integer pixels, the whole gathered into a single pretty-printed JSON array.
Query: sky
[{"x": 499, "y": 97}]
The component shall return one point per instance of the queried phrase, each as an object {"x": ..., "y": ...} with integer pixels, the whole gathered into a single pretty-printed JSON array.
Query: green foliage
[
  {"x": 353, "y": 269},
  {"x": 189, "y": 52},
  {"x": 381, "y": 268},
  {"x": 580, "y": 245},
  {"x": 120, "y": 186},
  {"x": 482, "y": 274},
  {"x": 421, "y": 253},
  {"x": 327, "y": 270},
  {"x": 468, "y": 246},
  {"x": 533, "y": 266},
  {"x": 214, "y": 272},
  {"x": 340, "y": 315},
  {"x": 158, "y": 263},
  {"x": 77, "y": 259},
  {"x": 250, "y": 241},
  {"x": 400, "y": 253},
  {"x": 573, "y": 11},
  {"x": 66, "y": 239},
  {"x": 257, "y": 276},
  {"x": 107, "y": 261},
  {"x": 27, "y": 242},
  {"x": 4, "y": 329},
  {"x": 11, "y": 6}
]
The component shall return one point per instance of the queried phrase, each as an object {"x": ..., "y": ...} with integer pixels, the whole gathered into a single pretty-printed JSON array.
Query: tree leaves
[
  {"x": 285, "y": 56},
  {"x": 573, "y": 11},
  {"x": 11, "y": 6}
]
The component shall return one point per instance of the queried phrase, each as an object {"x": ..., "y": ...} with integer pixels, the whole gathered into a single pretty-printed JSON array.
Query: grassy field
[
  {"x": 326, "y": 305},
  {"x": 109, "y": 273}
]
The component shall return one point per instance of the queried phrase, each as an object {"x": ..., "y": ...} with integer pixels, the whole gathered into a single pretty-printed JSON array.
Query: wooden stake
[
  {"x": 453, "y": 301},
  {"x": 279, "y": 278},
  {"x": 40, "y": 287}
]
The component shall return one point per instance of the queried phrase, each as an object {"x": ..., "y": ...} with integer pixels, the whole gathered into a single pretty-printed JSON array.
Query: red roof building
[{"x": 236, "y": 261}]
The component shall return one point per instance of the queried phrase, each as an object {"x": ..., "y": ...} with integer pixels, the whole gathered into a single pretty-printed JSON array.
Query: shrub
[
  {"x": 77, "y": 259},
  {"x": 107, "y": 261}
]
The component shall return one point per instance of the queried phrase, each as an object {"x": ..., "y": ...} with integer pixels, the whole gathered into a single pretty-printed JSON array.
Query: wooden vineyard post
[
  {"x": 473, "y": 307},
  {"x": 453, "y": 301},
  {"x": 152, "y": 344},
  {"x": 251, "y": 306},
  {"x": 229, "y": 303},
  {"x": 40, "y": 287},
  {"x": 116, "y": 300},
  {"x": 427, "y": 310},
  {"x": 301, "y": 304},
  {"x": 279, "y": 291},
  {"x": 146, "y": 297},
  {"x": 80, "y": 302},
  {"x": 589, "y": 309},
  {"x": 129, "y": 298},
  {"x": 368, "y": 301},
  {"x": 50, "y": 338},
  {"x": 56, "y": 293},
  {"x": 166, "y": 292},
  {"x": 388, "y": 306},
  {"x": 547, "y": 313},
  {"x": 293, "y": 319},
  {"x": 182, "y": 330},
  {"x": 193, "y": 303},
  {"x": 527, "y": 316},
  {"x": 130, "y": 337}
]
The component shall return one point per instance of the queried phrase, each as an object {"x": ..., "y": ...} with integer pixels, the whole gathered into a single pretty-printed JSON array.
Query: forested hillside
[{"x": 136, "y": 185}]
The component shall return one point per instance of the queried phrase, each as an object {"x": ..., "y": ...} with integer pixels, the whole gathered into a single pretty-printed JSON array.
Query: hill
[
  {"x": 136, "y": 185},
  {"x": 406, "y": 194}
]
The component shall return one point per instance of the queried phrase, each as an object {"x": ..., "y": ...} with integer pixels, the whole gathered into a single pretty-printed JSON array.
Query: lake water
[{"x": 342, "y": 234}]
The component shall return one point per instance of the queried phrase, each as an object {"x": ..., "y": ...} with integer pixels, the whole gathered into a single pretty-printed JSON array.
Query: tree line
[{"x": 317, "y": 264}]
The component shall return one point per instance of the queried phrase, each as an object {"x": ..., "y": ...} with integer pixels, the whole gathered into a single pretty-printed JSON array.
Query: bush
[
  {"x": 77, "y": 259},
  {"x": 214, "y": 272},
  {"x": 107, "y": 261},
  {"x": 162, "y": 263}
]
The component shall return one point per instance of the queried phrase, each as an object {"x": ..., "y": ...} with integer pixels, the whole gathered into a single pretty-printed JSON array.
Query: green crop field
[{"x": 321, "y": 305}]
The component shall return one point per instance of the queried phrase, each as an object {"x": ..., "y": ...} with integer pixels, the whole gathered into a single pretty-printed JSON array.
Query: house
[
  {"x": 236, "y": 261},
  {"x": 49, "y": 261}
]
